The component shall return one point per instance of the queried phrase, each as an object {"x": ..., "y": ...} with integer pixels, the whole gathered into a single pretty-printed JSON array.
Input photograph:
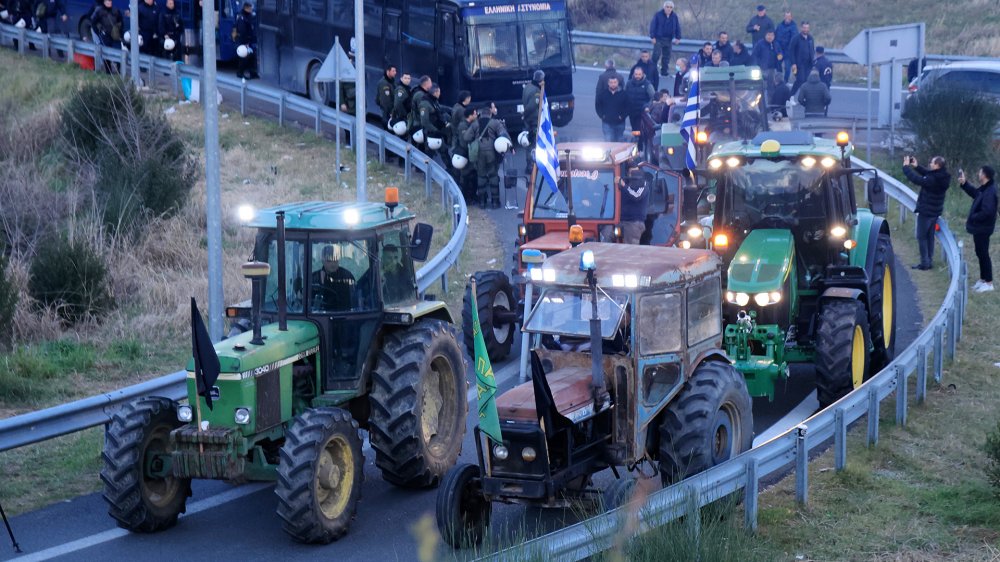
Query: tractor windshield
[
  {"x": 568, "y": 313},
  {"x": 716, "y": 113},
  {"x": 771, "y": 193},
  {"x": 593, "y": 195}
]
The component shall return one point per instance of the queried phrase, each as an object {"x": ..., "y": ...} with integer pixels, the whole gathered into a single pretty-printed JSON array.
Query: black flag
[{"x": 206, "y": 362}]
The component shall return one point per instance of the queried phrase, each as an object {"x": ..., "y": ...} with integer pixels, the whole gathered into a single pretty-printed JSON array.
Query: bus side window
[
  {"x": 373, "y": 20},
  {"x": 391, "y": 32},
  {"x": 447, "y": 43},
  {"x": 342, "y": 12}
]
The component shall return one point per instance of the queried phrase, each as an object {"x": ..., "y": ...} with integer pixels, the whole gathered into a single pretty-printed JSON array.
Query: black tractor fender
[{"x": 849, "y": 293}]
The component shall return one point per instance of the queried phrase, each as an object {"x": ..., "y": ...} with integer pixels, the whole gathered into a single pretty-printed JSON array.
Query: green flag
[{"x": 486, "y": 383}]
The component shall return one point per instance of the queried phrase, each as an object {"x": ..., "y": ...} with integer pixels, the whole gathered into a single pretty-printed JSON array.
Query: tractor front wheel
[
  {"x": 320, "y": 475},
  {"x": 463, "y": 512},
  {"x": 418, "y": 404},
  {"x": 141, "y": 499},
  {"x": 842, "y": 344},
  {"x": 882, "y": 304},
  {"x": 709, "y": 422},
  {"x": 497, "y": 308}
]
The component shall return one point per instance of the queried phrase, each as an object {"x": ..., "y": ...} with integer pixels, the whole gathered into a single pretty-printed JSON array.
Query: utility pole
[
  {"x": 133, "y": 25},
  {"x": 213, "y": 202},
  {"x": 361, "y": 143}
]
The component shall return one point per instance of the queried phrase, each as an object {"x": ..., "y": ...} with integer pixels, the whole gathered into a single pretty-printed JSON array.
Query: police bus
[{"x": 489, "y": 48}]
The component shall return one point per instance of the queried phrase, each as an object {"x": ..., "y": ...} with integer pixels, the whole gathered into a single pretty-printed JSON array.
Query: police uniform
[
  {"x": 413, "y": 119},
  {"x": 384, "y": 98},
  {"x": 487, "y": 130},
  {"x": 149, "y": 23},
  {"x": 171, "y": 25},
  {"x": 430, "y": 120},
  {"x": 246, "y": 34},
  {"x": 466, "y": 177},
  {"x": 401, "y": 103}
]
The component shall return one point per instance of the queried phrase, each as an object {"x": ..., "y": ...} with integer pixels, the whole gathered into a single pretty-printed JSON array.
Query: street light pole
[
  {"x": 361, "y": 144},
  {"x": 213, "y": 203},
  {"x": 133, "y": 24}
]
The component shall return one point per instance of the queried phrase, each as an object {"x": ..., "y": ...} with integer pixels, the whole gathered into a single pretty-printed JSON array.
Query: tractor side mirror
[
  {"x": 877, "y": 199},
  {"x": 420, "y": 242},
  {"x": 689, "y": 209}
]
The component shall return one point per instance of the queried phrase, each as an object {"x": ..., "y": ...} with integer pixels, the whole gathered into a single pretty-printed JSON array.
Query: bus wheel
[{"x": 317, "y": 90}]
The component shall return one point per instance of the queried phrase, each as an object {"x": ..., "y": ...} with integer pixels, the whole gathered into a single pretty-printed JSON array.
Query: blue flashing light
[{"x": 587, "y": 262}]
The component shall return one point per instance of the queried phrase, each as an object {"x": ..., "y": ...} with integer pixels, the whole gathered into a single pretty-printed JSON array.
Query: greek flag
[
  {"x": 546, "y": 157},
  {"x": 689, "y": 125}
]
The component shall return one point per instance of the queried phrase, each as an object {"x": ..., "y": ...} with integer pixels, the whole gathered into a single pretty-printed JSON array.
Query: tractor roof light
[
  {"x": 715, "y": 163},
  {"x": 827, "y": 162},
  {"x": 246, "y": 213},
  {"x": 593, "y": 154},
  {"x": 808, "y": 162},
  {"x": 587, "y": 261},
  {"x": 626, "y": 280},
  {"x": 352, "y": 216},
  {"x": 843, "y": 139},
  {"x": 732, "y": 162},
  {"x": 391, "y": 197},
  {"x": 255, "y": 270},
  {"x": 576, "y": 234},
  {"x": 755, "y": 74}
]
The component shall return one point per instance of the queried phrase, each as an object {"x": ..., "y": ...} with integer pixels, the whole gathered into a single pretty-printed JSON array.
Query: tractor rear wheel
[
  {"x": 320, "y": 475},
  {"x": 138, "y": 501},
  {"x": 842, "y": 344},
  {"x": 494, "y": 299},
  {"x": 463, "y": 512},
  {"x": 418, "y": 404},
  {"x": 709, "y": 422},
  {"x": 882, "y": 304}
]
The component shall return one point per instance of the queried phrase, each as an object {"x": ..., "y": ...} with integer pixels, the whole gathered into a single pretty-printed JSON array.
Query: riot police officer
[
  {"x": 171, "y": 29},
  {"x": 493, "y": 142},
  {"x": 149, "y": 27},
  {"x": 384, "y": 92},
  {"x": 245, "y": 35},
  {"x": 431, "y": 120}
]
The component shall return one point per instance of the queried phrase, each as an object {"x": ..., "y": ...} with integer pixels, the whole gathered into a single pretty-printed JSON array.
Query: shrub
[
  {"x": 8, "y": 301},
  {"x": 590, "y": 12},
  {"x": 992, "y": 450},
  {"x": 953, "y": 123},
  {"x": 71, "y": 277}
]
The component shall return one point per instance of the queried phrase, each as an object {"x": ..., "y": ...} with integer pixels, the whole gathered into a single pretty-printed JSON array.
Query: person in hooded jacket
[
  {"x": 467, "y": 175},
  {"x": 814, "y": 96},
  {"x": 982, "y": 222},
  {"x": 824, "y": 67},
  {"x": 171, "y": 26},
  {"x": 149, "y": 28},
  {"x": 107, "y": 24},
  {"x": 54, "y": 11},
  {"x": 245, "y": 33},
  {"x": 933, "y": 182}
]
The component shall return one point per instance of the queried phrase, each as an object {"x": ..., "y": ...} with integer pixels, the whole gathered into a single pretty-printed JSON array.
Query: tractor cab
[
  {"x": 731, "y": 103},
  {"x": 620, "y": 337}
]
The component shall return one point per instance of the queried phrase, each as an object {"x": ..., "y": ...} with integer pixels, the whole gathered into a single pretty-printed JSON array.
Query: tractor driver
[
  {"x": 333, "y": 286},
  {"x": 396, "y": 284}
]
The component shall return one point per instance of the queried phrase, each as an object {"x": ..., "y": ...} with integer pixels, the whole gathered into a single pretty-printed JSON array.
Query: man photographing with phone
[{"x": 933, "y": 182}]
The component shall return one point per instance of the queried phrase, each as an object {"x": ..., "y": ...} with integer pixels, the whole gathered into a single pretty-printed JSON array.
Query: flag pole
[
  {"x": 570, "y": 214},
  {"x": 17, "y": 547}
]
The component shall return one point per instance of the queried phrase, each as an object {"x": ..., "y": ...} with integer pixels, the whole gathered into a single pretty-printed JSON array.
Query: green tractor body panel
[
  {"x": 862, "y": 234},
  {"x": 803, "y": 144},
  {"x": 670, "y": 135},
  {"x": 411, "y": 312},
  {"x": 763, "y": 262},
  {"x": 330, "y": 215}
]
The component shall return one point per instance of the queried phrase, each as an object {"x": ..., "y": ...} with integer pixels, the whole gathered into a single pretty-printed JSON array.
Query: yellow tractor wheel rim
[
  {"x": 888, "y": 306},
  {"x": 858, "y": 357},
  {"x": 334, "y": 477}
]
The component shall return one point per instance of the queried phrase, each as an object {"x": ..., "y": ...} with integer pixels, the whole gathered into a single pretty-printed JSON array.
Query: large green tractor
[
  {"x": 338, "y": 340},
  {"x": 810, "y": 276}
]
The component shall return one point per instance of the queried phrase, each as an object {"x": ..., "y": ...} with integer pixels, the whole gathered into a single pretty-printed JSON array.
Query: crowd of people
[{"x": 794, "y": 68}]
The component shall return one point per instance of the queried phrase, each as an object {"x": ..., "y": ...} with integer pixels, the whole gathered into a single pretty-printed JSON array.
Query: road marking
[
  {"x": 805, "y": 409},
  {"x": 112, "y": 534}
]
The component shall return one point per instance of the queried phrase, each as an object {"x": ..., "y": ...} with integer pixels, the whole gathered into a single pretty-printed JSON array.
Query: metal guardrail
[
  {"x": 684, "y": 499},
  {"x": 75, "y": 416},
  {"x": 637, "y": 42}
]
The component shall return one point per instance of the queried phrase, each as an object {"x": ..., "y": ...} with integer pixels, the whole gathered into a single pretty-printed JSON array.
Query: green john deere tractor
[
  {"x": 810, "y": 276},
  {"x": 338, "y": 340}
]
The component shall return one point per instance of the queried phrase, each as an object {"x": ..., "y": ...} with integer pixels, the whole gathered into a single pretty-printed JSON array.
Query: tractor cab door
[
  {"x": 342, "y": 298},
  {"x": 397, "y": 279},
  {"x": 663, "y": 218}
]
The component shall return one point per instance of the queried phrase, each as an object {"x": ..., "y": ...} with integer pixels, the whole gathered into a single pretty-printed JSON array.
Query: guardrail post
[
  {"x": 694, "y": 513},
  {"x": 175, "y": 80},
  {"x": 427, "y": 177},
  {"x": 873, "y": 412},
  {"x": 901, "y": 392},
  {"x": 938, "y": 352},
  {"x": 921, "y": 374},
  {"x": 902, "y": 214},
  {"x": 444, "y": 281},
  {"x": 45, "y": 47},
  {"x": 801, "y": 465},
  {"x": 71, "y": 51},
  {"x": 381, "y": 148},
  {"x": 444, "y": 194},
  {"x": 952, "y": 336},
  {"x": 281, "y": 110},
  {"x": 319, "y": 114},
  {"x": 750, "y": 490},
  {"x": 22, "y": 42},
  {"x": 123, "y": 66},
  {"x": 243, "y": 98},
  {"x": 406, "y": 163},
  {"x": 152, "y": 71},
  {"x": 839, "y": 440},
  {"x": 98, "y": 57}
]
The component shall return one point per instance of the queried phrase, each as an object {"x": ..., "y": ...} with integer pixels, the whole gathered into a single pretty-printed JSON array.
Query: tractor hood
[
  {"x": 240, "y": 359},
  {"x": 763, "y": 261}
]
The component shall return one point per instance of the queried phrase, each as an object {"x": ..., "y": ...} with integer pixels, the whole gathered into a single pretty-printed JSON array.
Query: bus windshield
[
  {"x": 593, "y": 195},
  {"x": 777, "y": 192},
  {"x": 517, "y": 43}
]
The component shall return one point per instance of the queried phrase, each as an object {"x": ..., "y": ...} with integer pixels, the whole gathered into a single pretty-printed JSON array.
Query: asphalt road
[{"x": 226, "y": 522}]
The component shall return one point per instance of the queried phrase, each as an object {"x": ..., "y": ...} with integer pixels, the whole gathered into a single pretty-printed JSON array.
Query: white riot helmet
[
  {"x": 458, "y": 161},
  {"x": 4, "y": 14},
  {"x": 434, "y": 143},
  {"x": 523, "y": 139},
  {"x": 168, "y": 44},
  {"x": 418, "y": 137},
  {"x": 399, "y": 127},
  {"x": 127, "y": 38},
  {"x": 243, "y": 51},
  {"x": 502, "y": 144},
  {"x": 20, "y": 24}
]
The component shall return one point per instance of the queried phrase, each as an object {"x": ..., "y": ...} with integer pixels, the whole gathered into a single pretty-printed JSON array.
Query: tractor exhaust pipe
[{"x": 282, "y": 299}]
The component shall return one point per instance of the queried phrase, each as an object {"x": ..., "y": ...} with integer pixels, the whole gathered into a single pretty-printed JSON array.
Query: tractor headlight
[
  {"x": 617, "y": 233},
  {"x": 715, "y": 163},
  {"x": 684, "y": 244},
  {"x": 522, "y": 230},
  {"x": 764, "y": 299},
  {"x": 838, "y": 231},
  {"x": 694, "y": 231},
  {"x": 528, "y": 454},
  {"x": 242, "y": 416},
  {"x": 827, "y": 162},
  {"x": 184, "y": 414},
  {"x": 808, "y": 162},
  {"x": 500, "y": 452},
  {"x": 739, "y": 299}
]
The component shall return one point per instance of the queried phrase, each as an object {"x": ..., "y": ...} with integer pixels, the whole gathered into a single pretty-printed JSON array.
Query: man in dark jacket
[
  {"x": 982, "y": 222},
  {"x": 741, "y": 56},
  {"x": 767, "y": 54},
  {"x": 824, "y": 67},
  {"x": 171, "y": 26},
  {"x": 384, "y": 92},
  {"x": 417, "y": 95},
  {"x": 457, "y": 115},
  {"x": 723, "y": 46},
  {"x": 638, "y": 93},
  {"x": 54, "y": 10},
  {"x": 680, "y": 79},
  {"x": 648, "y": 68},
  {"x": 486, "y": 131},
  {"x": 431, "y": 120},
  {"x": 801, "y": 53},
  {"x": 703, "y": 57},
  {"x": 246, "y": 34},
  {"x": 664, "y": 32},
  {"x": 933, "y": 184},
  {"x": 611, "y": 106},
  {"x": 107, "y": 24},
  {"x": 783, "y": 34},
  {"x": 635, "y": 201},
  {"x": 610, "y": 72},
  {"x": 149, "y": 28},
  {"x": 759, "y": 25},
  {"x": 531, "y": 98},
  {"x": 778, "y": 95},
  {"x": 814, "y": 96},
  {"x": 460, "y": 147},
  {"x": 402, "y": 101}
]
